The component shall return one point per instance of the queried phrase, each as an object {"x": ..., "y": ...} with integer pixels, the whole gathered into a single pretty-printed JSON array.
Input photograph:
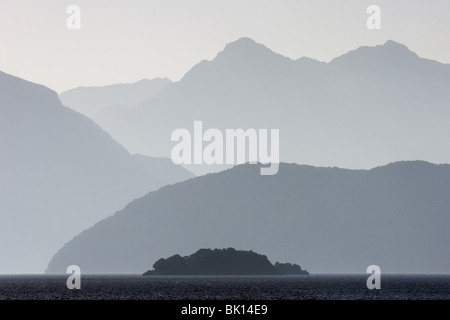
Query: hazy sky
[{"x": 125, "y": 41}]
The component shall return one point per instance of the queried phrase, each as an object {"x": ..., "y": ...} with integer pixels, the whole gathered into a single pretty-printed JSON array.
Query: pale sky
[{"x": 127, "y": 40}]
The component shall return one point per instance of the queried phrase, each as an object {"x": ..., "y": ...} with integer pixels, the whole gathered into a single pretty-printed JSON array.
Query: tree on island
[
  {"x": 223, "y": 262},
  {"x": 290, "y": 269}
]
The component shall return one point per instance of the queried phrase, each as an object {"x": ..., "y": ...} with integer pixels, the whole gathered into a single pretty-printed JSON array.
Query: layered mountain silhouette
[
  {"x": 366, "y": 108},
  {"x": 60, "y": 173},
  {"x": 329, "y": 219},
  {"x": 103, "y": 101}
]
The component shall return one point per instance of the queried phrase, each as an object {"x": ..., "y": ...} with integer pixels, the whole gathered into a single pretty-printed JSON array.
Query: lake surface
[{"x": 137, "y": 287}]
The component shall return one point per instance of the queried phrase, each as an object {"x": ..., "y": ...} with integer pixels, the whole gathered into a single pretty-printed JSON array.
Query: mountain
[
  {"x": 92, "y": 100},
  {"x": 368, "y": 107},
  {"x": 326, "y": 219},
  {"x": 60, "y": 173}
]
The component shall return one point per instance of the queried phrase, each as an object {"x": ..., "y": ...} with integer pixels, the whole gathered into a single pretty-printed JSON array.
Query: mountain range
[
  {"x": 103, "y": 100},
  {"x": 366, "y": 108},
  {"x": 326, "y": 219},
  {"x": 60, "y": 173},
  {"x": 63, "y": 176}
]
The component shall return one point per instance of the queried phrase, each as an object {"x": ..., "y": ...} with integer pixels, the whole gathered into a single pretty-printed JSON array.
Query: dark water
[{"x": 136, "y": 287}]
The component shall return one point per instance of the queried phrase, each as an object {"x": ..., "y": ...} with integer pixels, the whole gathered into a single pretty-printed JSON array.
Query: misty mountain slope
[
  {"x": 59, "y": 174},
  {"x": 91, "y": 100},
  {"x": 368, "y": 107},
  {"x": 325, "y": 219}
]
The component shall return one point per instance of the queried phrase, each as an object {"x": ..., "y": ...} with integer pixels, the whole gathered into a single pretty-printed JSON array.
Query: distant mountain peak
[
  {"x": 244, "y": 46},
  {"x": 389, "y": 51},
  {"x": 247, "y": 48},
  {"x": 243, "y": 42},
  {"x": 391, "y": 45},
  {"x": 242, "y": 54}
]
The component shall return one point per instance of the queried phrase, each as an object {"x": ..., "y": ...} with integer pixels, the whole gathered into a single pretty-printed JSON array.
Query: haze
[{"x": 125, "y": 41}]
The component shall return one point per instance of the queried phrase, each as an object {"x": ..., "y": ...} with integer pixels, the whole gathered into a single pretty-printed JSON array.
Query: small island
[{"x": 223, "y": 262}]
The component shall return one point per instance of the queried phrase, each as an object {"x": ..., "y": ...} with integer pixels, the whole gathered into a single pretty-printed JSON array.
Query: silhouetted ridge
[
  {"x": 244, "y": 46},
  {"x": 395, "y": 46},
  {"x": 390, "y": 51},
  {"x": 93, "y": 100},
  {"x": 246, "y": 49},
  {"x": 59, "y": 174},
  {"x": 336, "y": 220},
  {"x": 370, "y": 106}
]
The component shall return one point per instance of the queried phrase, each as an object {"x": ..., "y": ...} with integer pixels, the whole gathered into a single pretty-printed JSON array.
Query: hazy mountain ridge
[
  {"x": 91, "y": 101},
  {"x": 60, "y": 173},
  {"x": 368, "y": 107},
  {"x": 328, "y": 219}
]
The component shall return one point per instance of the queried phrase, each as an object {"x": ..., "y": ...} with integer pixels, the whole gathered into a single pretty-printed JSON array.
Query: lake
[{"x": 137, "y": 287}]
